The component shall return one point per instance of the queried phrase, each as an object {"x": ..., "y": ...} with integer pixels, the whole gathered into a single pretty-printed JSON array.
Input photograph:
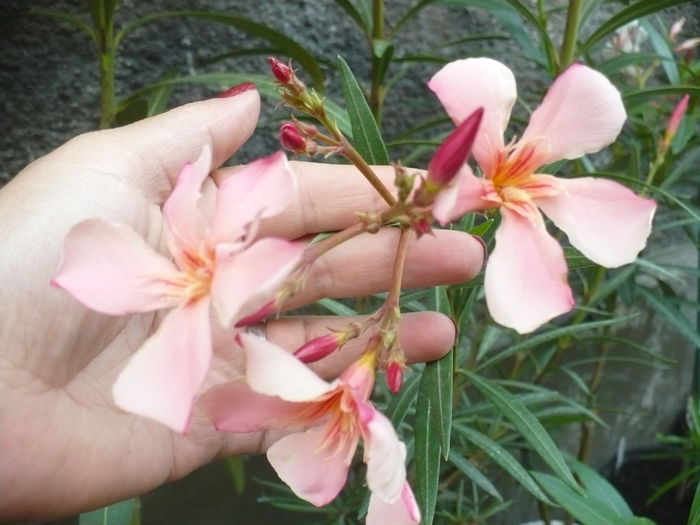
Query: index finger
[{"x": 327, "y": 198}]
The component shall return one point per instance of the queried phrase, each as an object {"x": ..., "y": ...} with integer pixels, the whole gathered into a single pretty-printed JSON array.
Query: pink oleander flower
[
  {"x": 582, "y": 112},
  {"x": 216, "y": 261},
  {"x": 281, "y": 393}
]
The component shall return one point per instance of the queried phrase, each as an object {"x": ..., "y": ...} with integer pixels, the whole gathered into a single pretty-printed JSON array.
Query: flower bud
[
  {"x": 453, "y": 152},
  {"x": 394, "y": 376},
  {"x": 676, "y": 29},
  {"x": 319, "y": 348},
  {"x": 261, "y": 313},
  {"x": 291, "y": 138},
  {"x": 283, "y": 73},
  {"x": 674, "y": 121}
]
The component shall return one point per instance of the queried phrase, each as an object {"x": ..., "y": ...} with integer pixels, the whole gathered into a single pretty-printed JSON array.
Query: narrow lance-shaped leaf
[
  {"x": 586, "y": 510},
  {"x": 503, "y": 458},
  {"x": 633, "y": 12},
  {"x": 527, "y": 424},
  {"x": 293, "y": 49},
  {"x": 694, "y": 518},
  {"x": 442, "y": 376},
  {"x": 668, "y": 311},
  {"x": 467, "y": 468},
  {"x": 365, "y": 133},
  {"x": 427, "y": 456},
  {"x": 121, "y": 513}
]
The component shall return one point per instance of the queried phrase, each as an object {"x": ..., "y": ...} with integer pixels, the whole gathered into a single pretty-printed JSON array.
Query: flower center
[
  {"x": 514, "y": 183},
  {"x": 194, "y": 281}
]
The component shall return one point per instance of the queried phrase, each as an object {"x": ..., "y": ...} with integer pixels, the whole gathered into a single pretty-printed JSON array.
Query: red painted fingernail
[
  {"x": 483, "y": 247},
  {"x": 237, "y": 90}
]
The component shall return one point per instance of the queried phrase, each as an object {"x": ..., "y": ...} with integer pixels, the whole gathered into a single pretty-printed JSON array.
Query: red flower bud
[
  {"x": 319, "y": 348},
  {"x": 394, "y": 376},
  {"x": 453, "y": 152},
  {"x": 261, "y": 313},
  {"x": 291, "y": 138},
  {"x": 283, "y": 73}
]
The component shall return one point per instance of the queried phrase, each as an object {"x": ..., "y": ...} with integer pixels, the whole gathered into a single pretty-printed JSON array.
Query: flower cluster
[
  {"x": 525, "y": 279},
  {"x": 218, "y": 262}
]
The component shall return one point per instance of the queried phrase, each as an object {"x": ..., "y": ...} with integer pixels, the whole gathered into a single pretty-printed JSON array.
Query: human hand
[{"x": 59, "y": 428}]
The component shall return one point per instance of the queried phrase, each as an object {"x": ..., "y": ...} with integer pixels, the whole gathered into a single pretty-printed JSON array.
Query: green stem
[
  {"x": 568, "y": 50},
  {"x": 107, "y": 51},
  {"x": 108, "y": 103},
  {"x": 350, "y": 153},
  {"x": 347, "y": 150},
  {"x": 376, "y": 89}
]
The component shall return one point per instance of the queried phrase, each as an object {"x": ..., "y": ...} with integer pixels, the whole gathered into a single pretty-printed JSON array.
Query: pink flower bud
[
  {"x": 319, "y": 348},
  {"x": 394, "y": 376},
  {"x": 421, "y": 226},
  {"x": 268, "y": 308},
  {"x": 453, "y": 152},
  {"x": 676, "y": 28},
  {"x": 283, "y": 73},
  {"x": 675, "y": 120},
  {"x": 291, "y": 138}
]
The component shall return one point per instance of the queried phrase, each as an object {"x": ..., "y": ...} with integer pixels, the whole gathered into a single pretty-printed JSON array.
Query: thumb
[{"x": 150, "y": 153}]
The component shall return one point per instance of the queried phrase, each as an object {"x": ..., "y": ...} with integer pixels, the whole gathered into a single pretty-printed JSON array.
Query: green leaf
[
  {"x": 441, "y": 373},
  {"x": 236, "y": 468},
  {"x": 265, "y": 83},
  {"x": 356, "y": 15},
  {"x": 290, "y": 47},
  {"x": 633, "y": 12},
  {"x": 483, "y": 228},
  {"x": 467, "y": 468},
  {"x": 503, "y": 458},
  {"x": 641, "y": 97},
  {"x": 427, "y": 448},
  {"x": 661, "y": 45},
  {"x": 585, "y": 509},
  {"x": 65, "y": 17},
  {"x": 365, "y": 133},
  {"x": 600, "y": 489},
  {"x": 550, "y": 335},
  {"x": 639, "y": 521},
  {"x": 121, "y": 513},
  {"x": 526, "y": 423},
  {"x": 336, "y": 307},
  {"x": 668, "y": 311},
  {"x": 694, "y": 518},
  {"x": 102, "y": 12},
  {"x": 413, "y": 11}
]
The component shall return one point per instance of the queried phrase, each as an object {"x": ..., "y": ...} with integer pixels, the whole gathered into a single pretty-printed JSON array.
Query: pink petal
[
  {"x": 386, "y": 457},
  {"x": 272, "y": 371},
  {"x": 314, "y": 472},
  {"x": 109, "y": 268},
  {"x": 260, "y": 189},
  {"x": 606, "y": 221},
  {"x": 465, "y": 85},
  {"x": 163, "y": 376},
  {"x": 234, "y": 407},
  {"x": 462, "y": 196},
  {"x": 403, "y": 511},
  {"x": 245, "y": 280},
  {"x": 525, "y": 279},
  {"x": 581, "y": 113},
  {"x": 185, "y": 221}
]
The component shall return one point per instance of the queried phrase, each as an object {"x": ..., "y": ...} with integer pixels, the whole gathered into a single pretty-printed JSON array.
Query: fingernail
[
  {"x": 484, "y": 248},
  {"x": 237, "y": 90}
]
